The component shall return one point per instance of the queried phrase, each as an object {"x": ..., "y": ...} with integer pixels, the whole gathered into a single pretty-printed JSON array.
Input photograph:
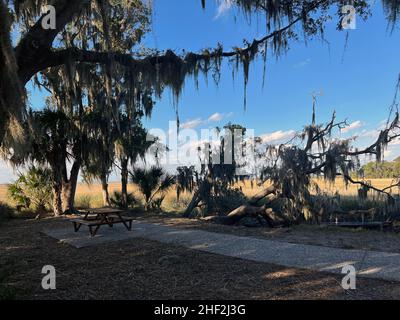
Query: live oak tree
[
  {"x": 75, "y": 88},
  {"x": 39, "y": 49},
  {"x": 218, "y": 173},
  {"x": 314, "y": 152},
  {"x": 103, "y": 35}
]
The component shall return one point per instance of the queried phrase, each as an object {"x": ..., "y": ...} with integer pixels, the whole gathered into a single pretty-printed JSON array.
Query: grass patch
[{"x": 83, "y": 201}]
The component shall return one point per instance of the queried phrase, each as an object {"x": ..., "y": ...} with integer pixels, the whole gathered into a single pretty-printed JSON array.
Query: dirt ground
[{"x": 134, "y": 269}]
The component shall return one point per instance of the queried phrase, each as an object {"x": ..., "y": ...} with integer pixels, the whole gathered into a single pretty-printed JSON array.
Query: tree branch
[
  {"x": 37, "y": 41},
  {"x": 50, "y": 57},
  {"x": 350, "y": 179}
]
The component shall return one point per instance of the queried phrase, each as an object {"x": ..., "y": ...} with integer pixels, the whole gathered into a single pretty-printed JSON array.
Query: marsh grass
[
  {"x": 90, "y": 196},
  {"x": 83, "y": 201}
]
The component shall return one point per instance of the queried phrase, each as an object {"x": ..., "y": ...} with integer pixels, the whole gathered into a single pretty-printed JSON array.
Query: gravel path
[{"x": 372, "y": 264}]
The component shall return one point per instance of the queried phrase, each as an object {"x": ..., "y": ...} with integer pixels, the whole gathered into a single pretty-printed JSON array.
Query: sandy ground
[
  {"x": 134, "y": 269},
  {"x": 305, "y": 234}
]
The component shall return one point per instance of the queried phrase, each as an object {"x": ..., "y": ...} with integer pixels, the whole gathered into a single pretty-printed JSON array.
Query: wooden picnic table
[{"x": 95, "y": 218}]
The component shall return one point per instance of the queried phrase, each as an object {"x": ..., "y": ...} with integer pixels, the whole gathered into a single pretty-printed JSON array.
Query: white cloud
[
  {"x": 216, "y": 117},
  {"x": 223, "y": 8},
  {"x": 278, "y": 136},
  {"x": 352, "y": 126},
  {"x": 192, "y": 124},
  {"x": 369, "y": 134},
  {"x": 302, "y": 64},
  {"x": 395, "y": 142}
]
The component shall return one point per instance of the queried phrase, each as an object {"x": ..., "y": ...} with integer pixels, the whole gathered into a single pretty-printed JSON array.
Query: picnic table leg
[
  {"x": 86, "y": 215},
  {"x": 103, "y": 220},
  {"x": 109, "y": 221},
  {"x": 77, "y": 226},
  {"x": 127, "y": 226},
  {"x": 93, "y": 232}
]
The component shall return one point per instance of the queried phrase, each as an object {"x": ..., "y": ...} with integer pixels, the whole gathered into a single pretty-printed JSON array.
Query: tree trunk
[
  {"x": 252, "y": 210},
  {"x": 104, "y": 187},
  {"x": 262, "y": 194},
  {"x": 251, "y": 207},
  {"x": 243, "y": 211},
  {"x": 124, "y": 183},
  {"x": 192, "y": 205},
  {"x": 57, "y": 202},
  {"x": 69, "y": 188},
  {"x": 273, "y": 219}
]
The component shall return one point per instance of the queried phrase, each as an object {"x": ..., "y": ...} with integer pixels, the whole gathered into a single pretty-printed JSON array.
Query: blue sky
[{"x": 357, "y": 82}]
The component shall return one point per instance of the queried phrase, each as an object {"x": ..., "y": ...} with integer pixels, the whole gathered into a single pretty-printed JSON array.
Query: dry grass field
[{"x": 91, "y": 196}]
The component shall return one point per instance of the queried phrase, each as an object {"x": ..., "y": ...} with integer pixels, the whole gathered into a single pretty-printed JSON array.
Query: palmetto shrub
[
  {"x": 33, "y": 188},
  {"x": 152, "y": 184},
  {"x": 117, "y": 201}
]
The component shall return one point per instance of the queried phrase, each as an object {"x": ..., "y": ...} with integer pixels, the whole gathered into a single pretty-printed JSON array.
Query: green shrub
[
  {"x": 32, "y": 188},
  {"x": 116, "y": 200},
  {"x": 153, "y": 183}
]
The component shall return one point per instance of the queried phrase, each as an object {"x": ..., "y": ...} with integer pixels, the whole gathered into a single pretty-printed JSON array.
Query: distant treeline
[{"x": 382, "y": 170}]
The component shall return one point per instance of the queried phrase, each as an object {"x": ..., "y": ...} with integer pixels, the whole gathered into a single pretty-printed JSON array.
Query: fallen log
[
  {"x": 192, "y": 205},
  {"x": 261, "y": 195},
  {"x": 244, "y": 211},
  {"x": 274, "y": 219}
]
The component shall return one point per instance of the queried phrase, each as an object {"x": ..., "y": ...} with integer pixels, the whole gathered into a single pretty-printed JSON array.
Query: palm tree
[
  {"x": 50, "y": 139},
  {"x": 130, "y": 145},
  {"x": 152, "y": 182},
  {"x": 99, "y": 152}
]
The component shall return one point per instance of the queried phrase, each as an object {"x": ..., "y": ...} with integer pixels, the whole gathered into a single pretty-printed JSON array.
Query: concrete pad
[{"x": 372, "y": 264}]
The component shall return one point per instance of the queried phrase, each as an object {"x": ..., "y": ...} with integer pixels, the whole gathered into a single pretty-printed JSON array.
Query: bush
[
  {"x": 116, "y": 200},
  {"x": 151, "y": 183},
  {"x": 32, "y": 188},
  {"x": 157, "y": 203}
]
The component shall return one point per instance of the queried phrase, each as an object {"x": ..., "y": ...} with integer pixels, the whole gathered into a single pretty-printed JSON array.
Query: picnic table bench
[{"x": 95, "y": 218}]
